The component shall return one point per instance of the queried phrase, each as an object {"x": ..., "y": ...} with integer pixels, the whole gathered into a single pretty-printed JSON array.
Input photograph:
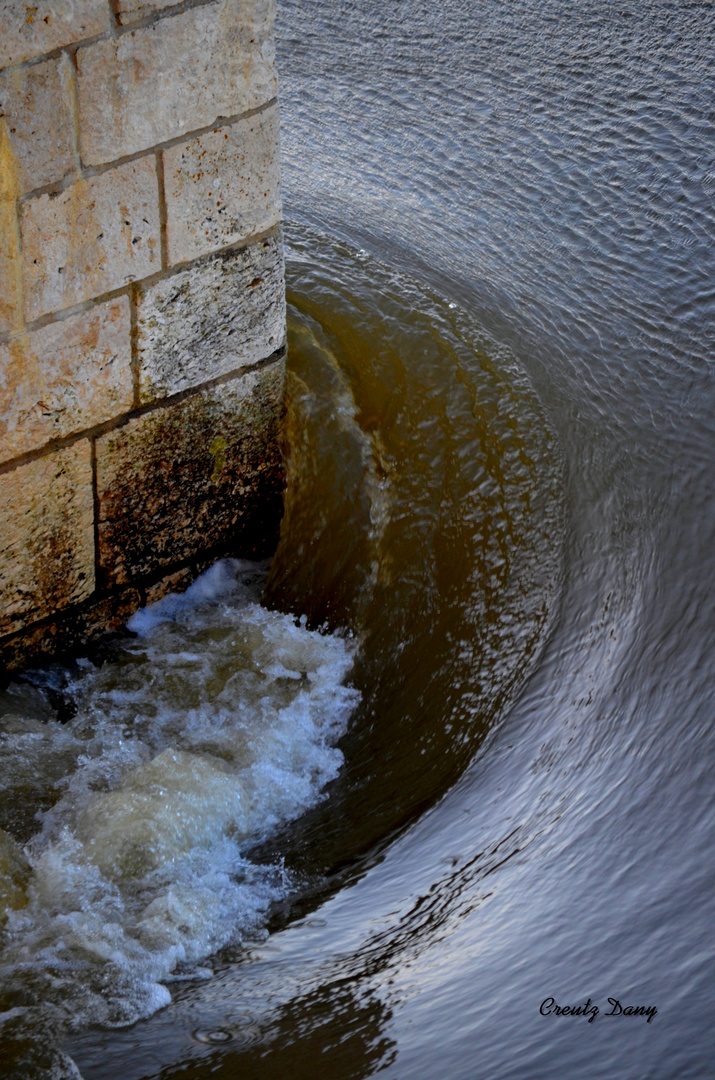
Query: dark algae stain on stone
[{"x": 201, "y": 475}]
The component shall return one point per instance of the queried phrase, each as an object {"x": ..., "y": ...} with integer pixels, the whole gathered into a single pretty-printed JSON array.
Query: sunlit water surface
[{"x": 500, "y": 532}]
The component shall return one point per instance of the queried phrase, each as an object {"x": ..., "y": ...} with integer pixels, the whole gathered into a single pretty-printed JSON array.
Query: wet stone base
[
  {"x": 189, "y": 476},
  {"x": 195, "y": 478}
]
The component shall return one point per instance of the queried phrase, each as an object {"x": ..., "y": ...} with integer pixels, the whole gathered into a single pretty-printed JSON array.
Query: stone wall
[{"x": 142, "y": 313}]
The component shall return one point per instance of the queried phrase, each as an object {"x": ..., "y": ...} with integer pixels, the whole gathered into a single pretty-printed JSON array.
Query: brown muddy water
[{"x": 447, "y": 762}]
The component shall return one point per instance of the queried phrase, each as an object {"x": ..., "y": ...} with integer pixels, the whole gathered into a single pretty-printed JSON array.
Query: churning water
[
  {"x": 471, "y": 771},
  {"x": 217, "y": 722}
]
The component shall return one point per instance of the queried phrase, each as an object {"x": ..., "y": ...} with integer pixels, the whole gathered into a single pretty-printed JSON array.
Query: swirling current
[{"x": 430, "y": 794}]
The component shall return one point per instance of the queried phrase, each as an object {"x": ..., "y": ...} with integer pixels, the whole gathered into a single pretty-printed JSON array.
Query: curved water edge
[
  {"x": 549, "y": 167},
  {"x": 419, "y": 555},
  {"x": 424, "y": 512}
]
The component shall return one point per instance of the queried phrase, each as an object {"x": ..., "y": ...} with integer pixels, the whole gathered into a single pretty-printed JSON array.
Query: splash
[{"x": 214, "y": 724}]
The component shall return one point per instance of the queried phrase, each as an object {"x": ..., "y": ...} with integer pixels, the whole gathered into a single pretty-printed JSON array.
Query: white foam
[
  {"x": 217, "y": 724},
  {"x": 226, "y": 579}
]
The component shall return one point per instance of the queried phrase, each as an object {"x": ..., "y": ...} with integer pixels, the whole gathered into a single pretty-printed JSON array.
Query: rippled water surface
[{"x": 500, "y": 519}]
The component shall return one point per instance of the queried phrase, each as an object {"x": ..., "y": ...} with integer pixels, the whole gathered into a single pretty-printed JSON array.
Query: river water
[{"x": 450, "y": 757}]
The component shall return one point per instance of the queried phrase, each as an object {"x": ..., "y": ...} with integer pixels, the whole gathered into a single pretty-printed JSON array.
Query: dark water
[{"x": 511, "y": 502}]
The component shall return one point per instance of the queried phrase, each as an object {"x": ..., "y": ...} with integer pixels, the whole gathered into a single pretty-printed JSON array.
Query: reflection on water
[
  {"x": 430, "y": 523},
  {"x": 548, "y": 167}
]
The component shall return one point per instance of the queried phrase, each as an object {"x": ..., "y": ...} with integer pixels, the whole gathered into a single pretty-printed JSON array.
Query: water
[
  {"x": 509, "y": 501},
  {"x": 216, "y": 723}
]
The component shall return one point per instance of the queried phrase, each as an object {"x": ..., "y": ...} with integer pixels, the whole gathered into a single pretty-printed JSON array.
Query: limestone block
[
  {"x": 47, "y": 539},
  {"x": 37, "y": 106},
  {"x": 97, "y": 235},
  {"x": 192, "y": 476},
  {"x": 222, "y": 187},
  {"x": 10, "y": 257},
  {"x": 31, "y": 29},
  {"x": 214, "y": 318},
  {"x": 174, "y": 76},
  {"x": 65, "y": 377}
]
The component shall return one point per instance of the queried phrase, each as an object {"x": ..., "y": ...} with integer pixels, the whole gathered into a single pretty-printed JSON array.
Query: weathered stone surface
[
  {"x": 222, "y": 187},
  {"x": 192, "y": 476},
  {"x": 47, "y": 539},
  {"x": 130, "y": 11},
  {"x": 175, "y": 76},
  {"x": 10, "y": 257},
  {"x": 65, "y": 377},
  {"x": 37, "y": 106},
  {"x": 95, "y": 236},
  {"x": 176, "y": 582},
  {"x": 28, "y": 30},
  {"x": 211, "y": 319},
  {"x": 72, "y": 630},
  {"x": 180, "y": 484}
]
